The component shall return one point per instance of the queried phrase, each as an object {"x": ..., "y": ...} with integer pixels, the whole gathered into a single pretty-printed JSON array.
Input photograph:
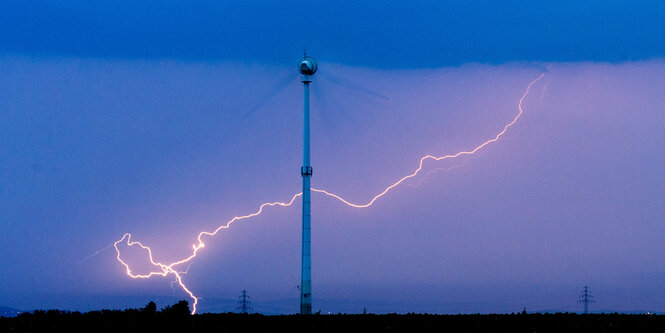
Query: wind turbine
[{"x": 307, "y": 67}]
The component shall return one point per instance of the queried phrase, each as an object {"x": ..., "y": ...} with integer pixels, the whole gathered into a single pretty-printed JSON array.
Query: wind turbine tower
[{"x": 307, "y": 67}]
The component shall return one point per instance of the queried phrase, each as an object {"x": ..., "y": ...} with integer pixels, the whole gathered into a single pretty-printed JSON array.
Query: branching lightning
[
  {"x": 164, "y": 270},
  {"x": 435, "y": 170}
]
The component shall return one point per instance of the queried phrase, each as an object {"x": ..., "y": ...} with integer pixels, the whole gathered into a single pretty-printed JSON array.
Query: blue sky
[{"x": 167, "y": 118}]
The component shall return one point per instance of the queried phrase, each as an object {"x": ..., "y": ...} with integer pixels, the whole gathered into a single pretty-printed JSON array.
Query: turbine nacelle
[{"x": 307, "y": 65}]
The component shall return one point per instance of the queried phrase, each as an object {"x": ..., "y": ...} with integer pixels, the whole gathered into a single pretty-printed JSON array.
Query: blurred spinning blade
[
  {"x": 277, "y": 88},
  {"x": 344, "y": 83}
]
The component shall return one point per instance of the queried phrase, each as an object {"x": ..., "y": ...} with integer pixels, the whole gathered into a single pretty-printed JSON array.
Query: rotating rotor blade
[
  {"x": 277, "y": 88},
  {"x": 342, "y": 82}
]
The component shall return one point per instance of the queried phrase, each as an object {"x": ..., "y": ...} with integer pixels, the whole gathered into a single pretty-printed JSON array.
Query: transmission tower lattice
[
  {"x": 585, "y": 298},
  {"x": 244, "y": 303}
]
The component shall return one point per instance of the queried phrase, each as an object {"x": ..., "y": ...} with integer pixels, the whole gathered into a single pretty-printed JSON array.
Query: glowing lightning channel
[
  {"x": 168, "y": 269},
  {"x": 439, "y": 158},
  {"x": 433, "y": 171},
  {"x": 164, "y": 269}
]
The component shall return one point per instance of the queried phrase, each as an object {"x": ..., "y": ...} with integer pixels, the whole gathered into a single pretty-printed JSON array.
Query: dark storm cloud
[{"x": 368, "y": 33}]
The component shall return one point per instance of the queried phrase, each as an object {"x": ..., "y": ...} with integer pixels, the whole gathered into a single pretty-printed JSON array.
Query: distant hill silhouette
[{"x": 9, "y": 312}]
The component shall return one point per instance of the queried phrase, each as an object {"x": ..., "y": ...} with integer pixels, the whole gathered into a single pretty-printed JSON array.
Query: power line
[
  {"x": 585, "y": 298},
  {"x": 244, "y": 303}
]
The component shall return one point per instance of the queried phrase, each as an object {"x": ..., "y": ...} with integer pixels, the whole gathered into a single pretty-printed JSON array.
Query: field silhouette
[{"x": 177, "y": 317}]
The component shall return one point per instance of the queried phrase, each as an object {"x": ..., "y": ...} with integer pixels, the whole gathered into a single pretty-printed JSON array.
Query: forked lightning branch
[{"x": 307, "y": 66}]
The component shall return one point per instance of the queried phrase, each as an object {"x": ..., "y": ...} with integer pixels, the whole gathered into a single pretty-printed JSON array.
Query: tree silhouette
[
  {"x": 150, "y": 308},
  {"x": 180, "y": 309}
]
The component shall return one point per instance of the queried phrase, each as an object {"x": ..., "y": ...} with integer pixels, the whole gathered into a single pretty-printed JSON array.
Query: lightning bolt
[
  {"x": 435, "y": 170},
  {"x": 161, "y": 269}
]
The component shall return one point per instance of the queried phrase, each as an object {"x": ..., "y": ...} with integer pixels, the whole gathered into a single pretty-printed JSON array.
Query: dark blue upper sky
[{"x": 402, "y": 34}]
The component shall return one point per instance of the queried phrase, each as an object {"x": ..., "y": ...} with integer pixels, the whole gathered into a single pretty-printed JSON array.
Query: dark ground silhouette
[{"x": 177, "y": 318}]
